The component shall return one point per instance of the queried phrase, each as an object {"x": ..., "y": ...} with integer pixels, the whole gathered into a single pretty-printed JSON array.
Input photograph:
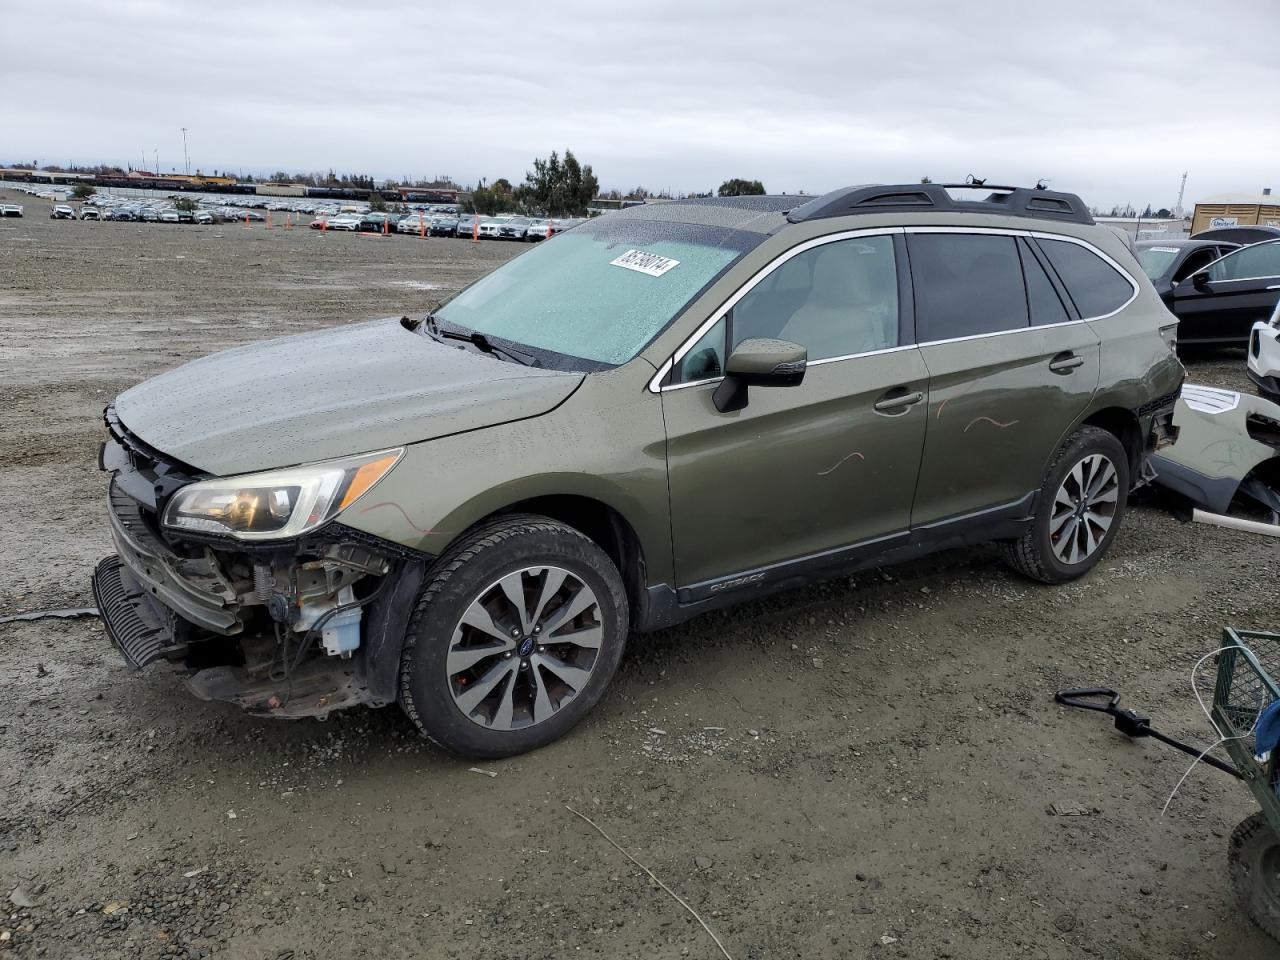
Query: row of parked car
[
  {"x": 423, "y": 223},
  {"x": 438, "y": 220}
]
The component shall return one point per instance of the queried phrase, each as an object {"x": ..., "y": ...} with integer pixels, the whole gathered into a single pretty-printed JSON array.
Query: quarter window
[
  {"x": 705, "y": 359},
  {"x": 1042, "y": 299},
  {"x": 837, "y": 299},
  {"x": 1257, "y": 261},
  {"x": 1096, "y": 287},
  {"x": 966, "y": 284}
]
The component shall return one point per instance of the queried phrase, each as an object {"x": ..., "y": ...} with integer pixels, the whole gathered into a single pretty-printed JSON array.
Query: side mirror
[
  {"x": 1165, "y": 289},
  {"x": 1201, "y": 281},
  {"x": 759, "y": 362}
]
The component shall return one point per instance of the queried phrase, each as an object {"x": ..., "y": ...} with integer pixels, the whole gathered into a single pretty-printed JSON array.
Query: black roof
[
  {"x": 1247, "y": 232},
  {"x": 938, "y": 198}
]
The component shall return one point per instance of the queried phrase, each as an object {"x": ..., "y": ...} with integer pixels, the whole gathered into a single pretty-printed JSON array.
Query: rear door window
[
  {"x": 966, "y": 284},
  {"x": 1097, "y": 288}
]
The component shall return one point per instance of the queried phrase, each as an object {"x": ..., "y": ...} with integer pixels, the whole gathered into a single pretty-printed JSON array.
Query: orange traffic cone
[
  {"x": 422, "y": 226},
  {"x": 475, "y": 229}
]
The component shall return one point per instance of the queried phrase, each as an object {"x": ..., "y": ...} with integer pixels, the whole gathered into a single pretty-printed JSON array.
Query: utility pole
[
  {"x": 1182, "y": 188},
  {"x": 186, "y": 160},
  {"x": 155, "y": 152}
]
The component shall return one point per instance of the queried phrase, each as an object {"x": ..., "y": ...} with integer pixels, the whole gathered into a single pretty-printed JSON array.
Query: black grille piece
[{"x": 138, "y": 631}]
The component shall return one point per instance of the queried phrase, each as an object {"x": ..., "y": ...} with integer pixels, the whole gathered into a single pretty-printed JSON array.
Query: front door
[
  {"x": 1223, "y": 302},
  {"x": 807, "y": 469}
]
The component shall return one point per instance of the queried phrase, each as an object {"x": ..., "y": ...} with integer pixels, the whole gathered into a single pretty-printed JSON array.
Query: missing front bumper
[{"x": 144, "y": 632}]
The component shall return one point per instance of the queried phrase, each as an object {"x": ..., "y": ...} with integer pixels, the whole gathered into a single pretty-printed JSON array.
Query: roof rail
[{"x": 936, "y": 198}]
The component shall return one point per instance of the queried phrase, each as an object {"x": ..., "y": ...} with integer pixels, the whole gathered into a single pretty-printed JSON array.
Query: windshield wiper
[{"x": 480, "y": 341}]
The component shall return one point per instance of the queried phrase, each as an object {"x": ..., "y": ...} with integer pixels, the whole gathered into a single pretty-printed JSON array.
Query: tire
[
  {"x": 1045, "y": 551},
  {"x": 1253, "y": 858},
  {"x": 554, "y": 571}
]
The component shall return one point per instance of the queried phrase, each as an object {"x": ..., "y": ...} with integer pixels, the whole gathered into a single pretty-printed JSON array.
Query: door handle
[
  {"x": 1065, "y": 362},
  {"x": 1274, "y": 286},
  {"x": 897, "y": 401}
]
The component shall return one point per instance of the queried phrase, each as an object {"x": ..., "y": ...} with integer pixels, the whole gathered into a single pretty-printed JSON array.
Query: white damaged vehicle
[{"x": 1264, "y": 355}]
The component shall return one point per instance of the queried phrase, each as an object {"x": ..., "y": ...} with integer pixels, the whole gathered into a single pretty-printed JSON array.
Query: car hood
[{"x": 328, "y": 394}]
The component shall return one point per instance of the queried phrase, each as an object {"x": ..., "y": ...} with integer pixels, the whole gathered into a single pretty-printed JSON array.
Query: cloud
[{"x": 1112, "y": 100}]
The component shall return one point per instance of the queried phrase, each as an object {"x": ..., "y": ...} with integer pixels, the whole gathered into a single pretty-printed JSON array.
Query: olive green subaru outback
[{"x": 658, "y": 412}]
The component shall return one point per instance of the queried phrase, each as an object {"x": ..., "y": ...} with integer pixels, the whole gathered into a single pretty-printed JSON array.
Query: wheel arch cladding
[{"x": 1123, "y": 425}]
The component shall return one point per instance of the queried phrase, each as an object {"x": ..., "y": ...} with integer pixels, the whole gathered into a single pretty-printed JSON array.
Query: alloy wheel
[
  {"x": 524, "y": 647},
  {"x": 1084, "y": 508}
]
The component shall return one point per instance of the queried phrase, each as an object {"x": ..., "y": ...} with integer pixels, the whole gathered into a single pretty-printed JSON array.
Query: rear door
[
  {"x": 1011, "y": 366},
  {"x": 1223, "y": 302},
  {"x": 800, "y": 471}
]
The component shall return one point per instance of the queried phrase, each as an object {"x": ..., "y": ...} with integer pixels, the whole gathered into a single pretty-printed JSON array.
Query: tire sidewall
[
  {"x": 445, "y": 599},
  {"x": 1083, "y": 444},
  {"x": 1252, "y": 838}
]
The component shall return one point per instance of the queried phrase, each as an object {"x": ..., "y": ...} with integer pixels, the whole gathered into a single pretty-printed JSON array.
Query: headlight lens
[{"x": 277, "y": 504}]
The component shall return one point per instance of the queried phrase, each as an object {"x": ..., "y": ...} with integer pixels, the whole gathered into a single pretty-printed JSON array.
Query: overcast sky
[{"x": 1113, "y": 100}]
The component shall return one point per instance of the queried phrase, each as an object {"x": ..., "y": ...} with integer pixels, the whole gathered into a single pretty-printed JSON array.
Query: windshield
[
  {"x": 1156, "y": 260},
  {"x": 601, "y": 291}
]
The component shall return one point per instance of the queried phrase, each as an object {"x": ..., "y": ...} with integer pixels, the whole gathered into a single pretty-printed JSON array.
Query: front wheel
[
  {"x": 1254, "y": 861},
  {"x": 1078, "y": 511},
  {"x": 513, "y": 639}
]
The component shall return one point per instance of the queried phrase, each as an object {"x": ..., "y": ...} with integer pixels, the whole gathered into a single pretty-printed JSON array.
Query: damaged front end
[{"x": 246, "y": 586}]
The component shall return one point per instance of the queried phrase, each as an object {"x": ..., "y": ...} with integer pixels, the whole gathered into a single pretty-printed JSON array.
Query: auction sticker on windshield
[{"x": 650, "y": 263}]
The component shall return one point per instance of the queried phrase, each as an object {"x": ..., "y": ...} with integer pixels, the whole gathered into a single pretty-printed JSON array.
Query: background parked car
[
  {"x": 414, "y": 223},
  {"x": 376, "y": 223},
  {"x": 491, "y": 228},
  {"x": 1168, "y": 262},
  {"x": 10, "y": 209},
  {"x": 466, "y": 223},
  {"x": 90, "y": 213},
  {"x": 1241, "y": 235},
  {"x": 62, "y": 212},
  {"x": 514, "y": 229},
  {"x": 345, "y": 221},
  {"x": 443, "y": 225},
  {"x": 1220, "y": 303}
]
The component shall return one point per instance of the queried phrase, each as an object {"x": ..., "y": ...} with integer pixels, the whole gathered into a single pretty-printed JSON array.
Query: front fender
[{"x": 606, "y": 443}]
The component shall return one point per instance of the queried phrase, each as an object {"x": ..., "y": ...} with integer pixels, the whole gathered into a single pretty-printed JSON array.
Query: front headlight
[{"x": 277, "y": 504}]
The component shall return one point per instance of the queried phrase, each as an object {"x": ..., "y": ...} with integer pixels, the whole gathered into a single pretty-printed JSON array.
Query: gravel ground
[{"x": 869, "y": 768}]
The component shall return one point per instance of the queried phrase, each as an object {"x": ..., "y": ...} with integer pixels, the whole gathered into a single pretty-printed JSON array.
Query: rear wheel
[
  {"x": 1081, "y": 504},
  {"x": 1254, "y": 861},
  {"x": 513, "y": 639}
]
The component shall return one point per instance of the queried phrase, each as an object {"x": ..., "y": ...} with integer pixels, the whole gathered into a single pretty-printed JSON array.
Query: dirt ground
[{"x": 869, "y": 768}]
